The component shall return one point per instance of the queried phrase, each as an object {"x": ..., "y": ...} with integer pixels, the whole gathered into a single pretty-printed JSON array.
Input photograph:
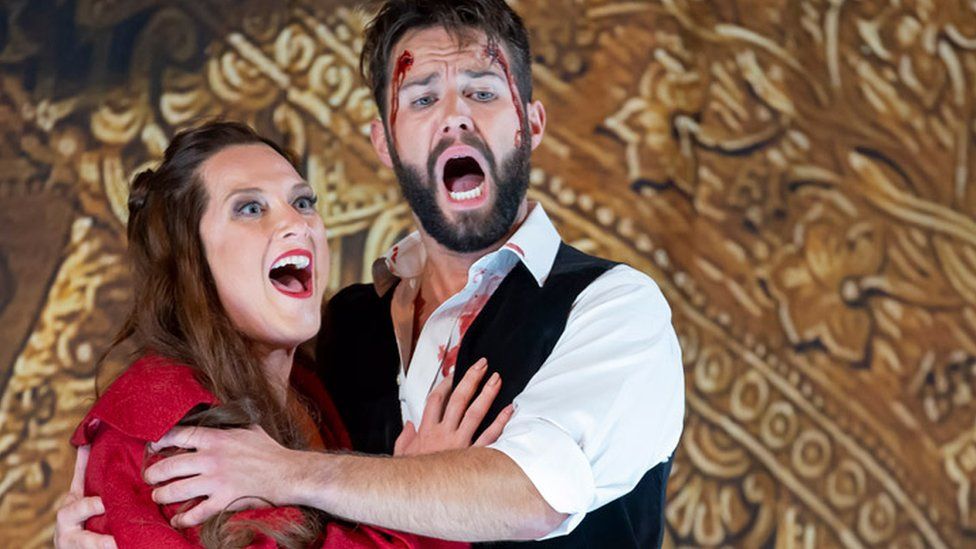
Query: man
[{"x": 584, "y": 347}]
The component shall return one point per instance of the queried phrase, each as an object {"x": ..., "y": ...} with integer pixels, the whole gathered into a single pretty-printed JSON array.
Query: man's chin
[{"x": 471, "y": 236}]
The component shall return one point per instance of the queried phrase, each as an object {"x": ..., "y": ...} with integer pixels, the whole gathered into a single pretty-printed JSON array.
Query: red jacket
[{"x": 148, "y": 400}]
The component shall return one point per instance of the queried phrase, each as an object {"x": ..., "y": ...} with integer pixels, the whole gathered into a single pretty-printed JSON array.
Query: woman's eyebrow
[
  {"x": 301, "y": 186},
  {"x": 235, "y": 192}
]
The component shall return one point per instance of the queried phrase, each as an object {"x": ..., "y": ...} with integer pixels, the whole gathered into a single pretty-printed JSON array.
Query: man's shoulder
[
  {"x": 624, "y": 274},
  {"x": 626, "y": 286},
  {"x": 572, "y": 260},
  {"x": 612, "y": 273}
]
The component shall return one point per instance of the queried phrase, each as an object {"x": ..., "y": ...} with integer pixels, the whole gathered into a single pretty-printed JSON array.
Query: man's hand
[
  {"x": 450, "y": 426},
  {"x": 232, "y": 468},
  {"x": 75, "y": 509}
]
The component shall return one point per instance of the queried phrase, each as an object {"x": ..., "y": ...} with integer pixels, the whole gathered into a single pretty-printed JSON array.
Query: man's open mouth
[
  {"x": 291, "y": 273},
  {"x": 464, "y": 178}
]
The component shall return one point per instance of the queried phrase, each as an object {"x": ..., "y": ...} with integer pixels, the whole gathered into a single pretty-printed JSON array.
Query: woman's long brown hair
[{"x": 177, "y": 313}]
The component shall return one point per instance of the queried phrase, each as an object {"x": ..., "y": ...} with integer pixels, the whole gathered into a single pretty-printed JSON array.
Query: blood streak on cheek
[
  {"x": 403, "y": 65},
  {"x": 495, "y": 53}
]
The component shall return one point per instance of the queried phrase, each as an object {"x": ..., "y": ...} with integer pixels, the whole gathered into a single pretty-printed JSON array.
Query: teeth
[
  {"x": 299, "y": 261},
  {"x": 466, "y": 195}
]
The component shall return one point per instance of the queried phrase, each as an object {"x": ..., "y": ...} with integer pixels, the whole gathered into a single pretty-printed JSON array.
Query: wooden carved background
[{"x": 794, "y": 174}]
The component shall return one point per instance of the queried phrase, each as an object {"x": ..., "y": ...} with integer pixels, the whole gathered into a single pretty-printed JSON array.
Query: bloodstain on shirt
[{"x": 469, "y": 312}]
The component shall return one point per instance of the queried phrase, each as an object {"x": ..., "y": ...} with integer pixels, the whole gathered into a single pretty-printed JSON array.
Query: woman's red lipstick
[{"x": 291, "y": 273}]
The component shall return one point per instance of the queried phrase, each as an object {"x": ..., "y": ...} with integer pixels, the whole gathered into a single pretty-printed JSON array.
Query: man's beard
[{"x": 472, "y": 230}]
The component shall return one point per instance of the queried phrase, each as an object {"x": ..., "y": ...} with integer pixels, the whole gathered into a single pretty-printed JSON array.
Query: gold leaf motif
[{"x": 794, "y": 175}]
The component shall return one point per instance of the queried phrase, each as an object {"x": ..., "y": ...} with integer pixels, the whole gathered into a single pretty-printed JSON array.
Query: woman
[{"x": 230, "y": 262}]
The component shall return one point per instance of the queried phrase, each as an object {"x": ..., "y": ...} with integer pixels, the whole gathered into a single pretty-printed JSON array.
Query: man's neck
[{"x": 445, "y": 272}]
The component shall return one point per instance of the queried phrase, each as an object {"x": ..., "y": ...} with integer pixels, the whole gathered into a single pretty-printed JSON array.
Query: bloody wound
[{"x": 403, "y": 65}]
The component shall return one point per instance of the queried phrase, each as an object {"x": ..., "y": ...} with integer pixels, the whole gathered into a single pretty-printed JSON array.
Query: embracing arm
[
  {"x": 469, "y": 494},
  {"x": 476, "y": 494}
]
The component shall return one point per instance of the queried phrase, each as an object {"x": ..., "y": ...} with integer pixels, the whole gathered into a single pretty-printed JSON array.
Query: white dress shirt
[{"x": 604, "y": 408}]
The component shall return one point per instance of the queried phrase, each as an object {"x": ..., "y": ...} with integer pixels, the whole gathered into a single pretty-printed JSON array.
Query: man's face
[{"x": 460, "y": 136}]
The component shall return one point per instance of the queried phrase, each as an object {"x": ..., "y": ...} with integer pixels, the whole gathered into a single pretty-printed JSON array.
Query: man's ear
[
  {"x": 377, "y": 135},
  {"x": 536, "y": 114}
]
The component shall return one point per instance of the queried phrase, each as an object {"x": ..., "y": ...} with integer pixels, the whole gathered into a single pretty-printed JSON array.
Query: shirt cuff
[{"x": 555, "y": 464}]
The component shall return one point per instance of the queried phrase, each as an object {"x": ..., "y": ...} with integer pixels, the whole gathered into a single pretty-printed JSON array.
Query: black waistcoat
[{"x": 516, "y": 331}]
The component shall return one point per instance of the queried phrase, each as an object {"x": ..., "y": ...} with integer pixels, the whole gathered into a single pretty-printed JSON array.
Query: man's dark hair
[{"x": 458, "y": 17}]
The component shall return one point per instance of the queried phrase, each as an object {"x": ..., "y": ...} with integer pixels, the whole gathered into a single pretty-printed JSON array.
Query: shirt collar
[{"x": 535, "y": 243}]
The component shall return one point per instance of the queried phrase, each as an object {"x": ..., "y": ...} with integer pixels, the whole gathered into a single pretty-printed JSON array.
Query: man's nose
[
  {"x": 457, "y": 119},
  {"x": 457, "y": 124}
]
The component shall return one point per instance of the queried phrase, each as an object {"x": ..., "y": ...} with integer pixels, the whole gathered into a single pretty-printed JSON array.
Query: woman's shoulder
[{"x": 146, "y": 401}]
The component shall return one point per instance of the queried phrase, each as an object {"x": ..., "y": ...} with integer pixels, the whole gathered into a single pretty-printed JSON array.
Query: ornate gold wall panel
[{"x": 794, "y": 174}]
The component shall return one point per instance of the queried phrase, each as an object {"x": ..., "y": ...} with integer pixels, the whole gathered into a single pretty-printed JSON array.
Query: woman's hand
[
  {"x": 75, "y": 509},
  {"x": 449, "y": 422}
]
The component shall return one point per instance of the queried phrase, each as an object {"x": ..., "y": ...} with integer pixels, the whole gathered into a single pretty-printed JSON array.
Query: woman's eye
[
  {"x": 305, "y": 203},
  {"x": 483, "y": 96},
  {"x": 250, "y": 209},
  {"x": 424, "y": 101}
]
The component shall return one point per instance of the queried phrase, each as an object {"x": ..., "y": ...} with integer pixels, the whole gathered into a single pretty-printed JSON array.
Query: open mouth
[
  {"x": 463, "y": 178},
  {"x": 291, "y": 273}
]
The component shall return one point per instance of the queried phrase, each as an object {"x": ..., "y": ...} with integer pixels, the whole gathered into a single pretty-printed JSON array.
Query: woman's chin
[{"x": 285, "y": 338}]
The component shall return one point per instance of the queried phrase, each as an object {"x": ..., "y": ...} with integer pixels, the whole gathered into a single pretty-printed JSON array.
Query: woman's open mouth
[{"x": 291, "y": 274}]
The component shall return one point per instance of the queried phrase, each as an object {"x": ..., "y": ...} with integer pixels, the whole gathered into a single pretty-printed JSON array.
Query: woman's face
[{"x": 265, "y": 244}]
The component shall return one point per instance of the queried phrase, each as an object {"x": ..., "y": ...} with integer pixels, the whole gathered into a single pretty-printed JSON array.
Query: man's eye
[
  {"x": 250, "y": 209},
  {"x": 305, "y": 203},
  {"x": 484, "y": 96},
  {"x": 424, "y": 101}
]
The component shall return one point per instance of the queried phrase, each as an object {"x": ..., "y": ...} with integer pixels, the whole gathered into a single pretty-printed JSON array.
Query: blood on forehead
[
  {"x": 495, "y": 53},
  {"x": 492, "y": 51},
  {"x": 403, "y": 65}
]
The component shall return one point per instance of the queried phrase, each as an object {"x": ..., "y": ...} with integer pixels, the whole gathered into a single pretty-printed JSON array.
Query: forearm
[{"x": 477, "y": 494}]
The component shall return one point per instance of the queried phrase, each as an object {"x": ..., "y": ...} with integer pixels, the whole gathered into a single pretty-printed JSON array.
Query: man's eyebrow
[
  {"x": 474, "y": 75},
  {"x": 422, "y": 82}
]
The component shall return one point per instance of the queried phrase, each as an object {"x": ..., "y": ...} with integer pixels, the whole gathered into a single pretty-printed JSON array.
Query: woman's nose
[{"x": 292, "y": 224}]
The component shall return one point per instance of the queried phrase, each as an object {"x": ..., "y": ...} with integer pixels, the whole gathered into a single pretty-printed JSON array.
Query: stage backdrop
[{"x": 794, "y": 174}]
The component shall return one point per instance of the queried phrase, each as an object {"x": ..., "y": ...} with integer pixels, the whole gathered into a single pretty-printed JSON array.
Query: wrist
[
  {"x": 306, "y": 479},
  {"x": 288, "y": 486}
]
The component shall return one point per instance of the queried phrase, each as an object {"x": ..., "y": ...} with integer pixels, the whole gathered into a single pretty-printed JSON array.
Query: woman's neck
[{"x": 277, "y": 365}]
